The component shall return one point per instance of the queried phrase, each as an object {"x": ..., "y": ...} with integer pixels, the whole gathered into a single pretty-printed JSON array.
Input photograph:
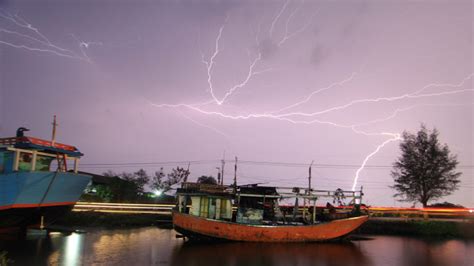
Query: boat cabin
[
  {"x": 20, "y": 154},
  {"x": 257, "y": 205},
  {"x": 205, "y": 200}
]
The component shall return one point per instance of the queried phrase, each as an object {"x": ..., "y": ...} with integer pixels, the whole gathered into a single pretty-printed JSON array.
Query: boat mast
[
  {"x": 309, "y": 177},
  {"x": 53, "y": 137},
  {"x": 222, "y": 169},
  {"x": 235, "y": 175}
]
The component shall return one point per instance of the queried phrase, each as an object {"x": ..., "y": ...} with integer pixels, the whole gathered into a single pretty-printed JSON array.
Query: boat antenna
[
  {"x": 53, "y": 137},
  {"x": 309, "y": 177}
]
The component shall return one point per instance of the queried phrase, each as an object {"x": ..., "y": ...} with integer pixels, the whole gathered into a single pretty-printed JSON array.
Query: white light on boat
[{"x": 471, "y": 211}]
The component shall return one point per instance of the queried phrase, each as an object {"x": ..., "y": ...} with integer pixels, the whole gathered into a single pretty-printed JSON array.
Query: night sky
[{"x": 138, "y": 83}]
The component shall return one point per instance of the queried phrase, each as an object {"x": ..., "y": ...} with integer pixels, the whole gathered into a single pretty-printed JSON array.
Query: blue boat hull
[{"x": 26, "y": 196}]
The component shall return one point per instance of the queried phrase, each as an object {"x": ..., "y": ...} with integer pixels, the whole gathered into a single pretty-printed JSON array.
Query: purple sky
[{"x": 129, "y": 82}]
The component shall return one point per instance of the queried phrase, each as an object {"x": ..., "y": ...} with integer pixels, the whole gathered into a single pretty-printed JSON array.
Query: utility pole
[{"x": 53, "y": 137}]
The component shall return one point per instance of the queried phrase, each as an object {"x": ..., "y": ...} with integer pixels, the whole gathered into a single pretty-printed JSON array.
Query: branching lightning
[
  {"x": 289, "y": 35},
  {"x": 295, "y": 117},
  {"x": 38, "y": 42},
  {"x": 277, "y": 17},
  {"x": 211, "y": 62}
]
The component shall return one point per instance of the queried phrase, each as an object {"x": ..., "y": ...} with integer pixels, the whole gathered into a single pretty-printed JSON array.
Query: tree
[
  {"x": 426, "y": 169},
  {"x": 176, "y": 176},
  {"x": 207, "y": 180},
  {"x": 141, "y": 178}
]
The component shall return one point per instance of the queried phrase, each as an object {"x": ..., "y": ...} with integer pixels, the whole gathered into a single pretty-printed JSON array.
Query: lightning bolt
[
  {"x": 414, "y": 95},
  {"x": 307, "y": 98},
  {"x": 396, "y": 137},
  {"x": 38, "y": 42},
  {"x": 275, "y": 20},
  {"x": 286, "y": 116},
  {"x": 289, "y": 35},
  {"x": 205, "y": 126},
  {"x": 211, "y": 62}
]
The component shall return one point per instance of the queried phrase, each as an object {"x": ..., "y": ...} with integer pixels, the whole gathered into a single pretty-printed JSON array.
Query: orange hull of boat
[{"x": 190, "y": 225}]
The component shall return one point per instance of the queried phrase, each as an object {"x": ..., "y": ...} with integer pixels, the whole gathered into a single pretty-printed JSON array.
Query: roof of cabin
[
  {"x": 31, "y": 143},
  {"x": 258, "y": 190}
]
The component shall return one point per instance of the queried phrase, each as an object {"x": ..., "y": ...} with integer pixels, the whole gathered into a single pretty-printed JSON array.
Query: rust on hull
[{"x": 192, "y": 226}]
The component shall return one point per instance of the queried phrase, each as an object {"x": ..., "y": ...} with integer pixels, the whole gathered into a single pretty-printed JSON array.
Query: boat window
[
  {"x": 226, "y": 209},
  {"x": 204, "y": 207},
  {"x": 25, "y": 161},
  {"x": 59, "y": 164},
  {"x": 43, "y": 163}
]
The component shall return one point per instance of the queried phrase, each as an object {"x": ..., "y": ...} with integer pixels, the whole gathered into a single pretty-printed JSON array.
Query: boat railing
[
  {"x": 8, "y": 141},
  {"x": 36, "y": 141}
]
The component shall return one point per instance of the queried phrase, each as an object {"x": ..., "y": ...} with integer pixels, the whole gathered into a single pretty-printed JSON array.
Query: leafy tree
[
  {"x": 141, "y": 178},
  {"x": 104, "y": 192},
  {"x": 426, "y": 169},
  {"x": 207, "y": 180},
  {"x": 176, "y": 176}
]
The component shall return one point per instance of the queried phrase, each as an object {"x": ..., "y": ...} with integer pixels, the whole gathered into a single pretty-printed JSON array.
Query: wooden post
[
  {"x": 33, "y": 160},
  {"x": 76, "y": 165},
  {"x": 16, "y": 160},
  {"x": 314, "y": 211}
]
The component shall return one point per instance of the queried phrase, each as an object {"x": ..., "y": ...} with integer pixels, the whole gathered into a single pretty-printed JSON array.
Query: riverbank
[{"x": 419, "y": 228}]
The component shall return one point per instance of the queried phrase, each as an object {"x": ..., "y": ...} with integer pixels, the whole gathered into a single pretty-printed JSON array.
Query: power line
[{"x": 257, "y": 163}]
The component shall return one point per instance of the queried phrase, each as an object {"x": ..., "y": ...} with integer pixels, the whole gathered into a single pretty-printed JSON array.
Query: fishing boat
[
  {"x": 39, "y": 181},
  {"x": 254, "y": 213}
]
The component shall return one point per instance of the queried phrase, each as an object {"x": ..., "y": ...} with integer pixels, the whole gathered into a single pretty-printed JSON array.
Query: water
[{"x": 155, "y": 246}]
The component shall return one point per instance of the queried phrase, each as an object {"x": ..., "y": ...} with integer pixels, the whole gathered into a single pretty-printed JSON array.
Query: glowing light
[
  {"x": 74, "y": 245},
  {"x": 158, "y": 193}
]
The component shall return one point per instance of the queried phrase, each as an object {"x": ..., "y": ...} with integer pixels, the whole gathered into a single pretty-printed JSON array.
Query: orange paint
[{"x": 263, "y": 233}]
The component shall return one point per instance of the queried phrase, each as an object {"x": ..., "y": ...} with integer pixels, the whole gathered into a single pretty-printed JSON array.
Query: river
[{"x": 155, "y": 246}]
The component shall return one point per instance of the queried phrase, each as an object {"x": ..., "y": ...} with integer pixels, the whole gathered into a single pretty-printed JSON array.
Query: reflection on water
[
  {"x": 270, "y": 254},
  {"x": 154, "y": 246}
]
